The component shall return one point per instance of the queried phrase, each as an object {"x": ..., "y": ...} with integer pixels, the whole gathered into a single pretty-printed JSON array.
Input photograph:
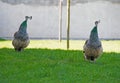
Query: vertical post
[
  {"x": 60, "y": 20},
  {"x": 68, "y": 23}
]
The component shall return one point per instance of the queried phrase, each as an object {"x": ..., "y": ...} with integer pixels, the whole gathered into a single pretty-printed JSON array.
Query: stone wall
[{"x": 51, "y": 2}]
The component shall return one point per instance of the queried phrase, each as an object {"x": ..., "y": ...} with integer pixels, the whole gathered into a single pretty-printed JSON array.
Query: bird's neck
[
  {"x": 23, "y": 27},
  {"x": 94, "y": 35}
]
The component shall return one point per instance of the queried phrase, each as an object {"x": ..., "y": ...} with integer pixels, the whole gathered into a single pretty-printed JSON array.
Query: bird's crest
[
  {"x": 97, "y": 22},
  {"x": 28, "y": 17}
]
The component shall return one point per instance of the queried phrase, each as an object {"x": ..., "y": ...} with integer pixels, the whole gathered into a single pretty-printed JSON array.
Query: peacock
[
  {"x": 21, "y": 39},
  {"x": 92, "y": 48}
]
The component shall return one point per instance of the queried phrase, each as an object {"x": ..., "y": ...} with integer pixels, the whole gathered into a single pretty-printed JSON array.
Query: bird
[
  {"x": 21, "y": 38},
  {"x": 92, "y": 48}
]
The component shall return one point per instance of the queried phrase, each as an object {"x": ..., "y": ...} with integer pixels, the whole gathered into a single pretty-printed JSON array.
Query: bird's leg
[
  {"x": 19, "y": 49},
  {"x": 85, "y": 58},
  {"x": 83, "y": 51},
  {"x": 15, "y": 49}
]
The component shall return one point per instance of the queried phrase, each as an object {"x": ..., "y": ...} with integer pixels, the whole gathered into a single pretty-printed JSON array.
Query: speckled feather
[
  {"x": 21, "y": 38},
  {"x": 93, "y": 48}
]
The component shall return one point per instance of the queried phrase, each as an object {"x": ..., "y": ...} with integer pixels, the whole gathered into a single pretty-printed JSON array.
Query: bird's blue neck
[
  {"x": 23, "y": 27},
  {"x": 94, "y": 35}
]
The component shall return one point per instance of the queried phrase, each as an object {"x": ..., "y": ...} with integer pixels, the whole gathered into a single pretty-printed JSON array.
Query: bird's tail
[{"x": 92, "y": 58}]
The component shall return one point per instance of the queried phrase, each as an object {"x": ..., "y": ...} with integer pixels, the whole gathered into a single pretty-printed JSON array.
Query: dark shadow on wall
[{"x": 51, "y": 2}]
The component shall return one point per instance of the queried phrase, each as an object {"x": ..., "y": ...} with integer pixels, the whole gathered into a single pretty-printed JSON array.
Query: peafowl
[
  {"x": 21, "y": 38},
  {"x": 92, "y": 48}
]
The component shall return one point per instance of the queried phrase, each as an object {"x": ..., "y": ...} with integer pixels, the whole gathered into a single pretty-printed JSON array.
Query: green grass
[
  {"x": 47, "y": 61},
  {"x": 1, "y": 39}
]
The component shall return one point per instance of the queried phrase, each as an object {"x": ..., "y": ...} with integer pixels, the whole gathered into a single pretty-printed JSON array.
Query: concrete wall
[{"x": 46, "y": 18}]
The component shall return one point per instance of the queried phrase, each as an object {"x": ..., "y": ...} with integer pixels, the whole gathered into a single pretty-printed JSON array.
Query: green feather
[
  {"x": 23, "y": 27},
  {"x": 94, "y": 30},
  {"x": 94, "y": 34},
  {"x": 24, "y": 24}
]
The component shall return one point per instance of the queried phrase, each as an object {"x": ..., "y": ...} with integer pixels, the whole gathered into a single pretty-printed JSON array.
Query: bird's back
[
  {"x": 93, "y": 49},
  {"x": 21, "y": 36}
]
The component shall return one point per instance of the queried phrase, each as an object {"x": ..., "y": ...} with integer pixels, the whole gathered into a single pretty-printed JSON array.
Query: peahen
[
  {"x": 21, "y": 38},
  {"x": 92, "y": 48}
]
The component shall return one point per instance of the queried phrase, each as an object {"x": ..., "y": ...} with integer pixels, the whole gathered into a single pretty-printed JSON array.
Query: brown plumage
[
  {"x": 21, "y": 38},
  {"x": 92, "y": 48}
]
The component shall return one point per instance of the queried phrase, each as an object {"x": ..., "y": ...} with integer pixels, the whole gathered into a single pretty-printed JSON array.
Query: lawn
[{"x": 48, "y": 61}]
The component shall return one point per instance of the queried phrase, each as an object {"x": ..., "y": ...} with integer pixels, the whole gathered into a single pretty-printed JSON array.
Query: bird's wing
[
  {"x": 84, "y": 46},
  {"x": 86, "y": 41},
  {"x": 15, "y": 34}
]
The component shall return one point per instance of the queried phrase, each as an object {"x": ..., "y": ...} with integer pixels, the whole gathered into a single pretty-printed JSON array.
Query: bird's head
[
  {"x": 96, "y": 22},
  {"x": 28, "y": 17}
]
